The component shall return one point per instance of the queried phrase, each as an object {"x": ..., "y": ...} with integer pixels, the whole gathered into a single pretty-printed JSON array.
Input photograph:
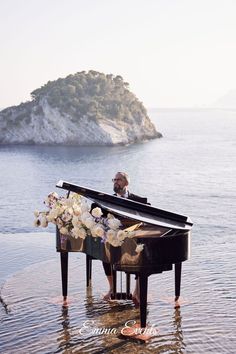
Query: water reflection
[
  {"x": 64, "y": 335},
  {"x": 98, "y": 326},
  {"x": 178, "y": 340},
  {"x": 101, "y": 324}
]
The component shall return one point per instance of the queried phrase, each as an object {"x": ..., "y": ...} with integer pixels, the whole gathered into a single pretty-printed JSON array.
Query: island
[{"x": 86, "y": 108}]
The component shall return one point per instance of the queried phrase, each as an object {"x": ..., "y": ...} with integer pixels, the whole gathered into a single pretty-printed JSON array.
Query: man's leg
[
  {"x": 136, "y": 293},
  {"x": 108, "y": 272}
]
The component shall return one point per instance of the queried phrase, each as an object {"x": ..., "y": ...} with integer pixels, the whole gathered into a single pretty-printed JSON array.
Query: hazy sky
[{"x": 174, "y": 53}]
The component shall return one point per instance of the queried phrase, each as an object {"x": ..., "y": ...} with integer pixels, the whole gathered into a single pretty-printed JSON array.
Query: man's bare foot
[
  {"x": 65, "y": 301},
  {"x": 177, "y": 303},
  {"x": 107, "y": 296},
  {"x": 135, "y": 295}
]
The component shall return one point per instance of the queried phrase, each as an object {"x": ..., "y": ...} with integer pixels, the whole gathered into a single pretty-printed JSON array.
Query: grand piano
[{"x": 165, "y": 235}]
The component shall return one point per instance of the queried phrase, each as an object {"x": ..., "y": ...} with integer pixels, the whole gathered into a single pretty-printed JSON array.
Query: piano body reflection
[{"x": 165, "y": 235}]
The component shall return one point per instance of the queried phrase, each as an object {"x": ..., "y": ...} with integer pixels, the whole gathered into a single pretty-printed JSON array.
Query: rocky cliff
[{"x": 82, "y": 109}]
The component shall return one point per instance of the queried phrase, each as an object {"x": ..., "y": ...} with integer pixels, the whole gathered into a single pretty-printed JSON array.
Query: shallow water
[
  {"x": 34, "y": 320},
  {"x": 191, "y": 171}
]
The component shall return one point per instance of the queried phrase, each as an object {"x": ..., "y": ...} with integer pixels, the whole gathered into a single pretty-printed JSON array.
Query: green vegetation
[{"x": 93, "y": 94}]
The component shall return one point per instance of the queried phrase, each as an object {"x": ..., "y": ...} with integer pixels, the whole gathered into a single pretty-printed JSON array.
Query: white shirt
[{"x": 126, "y": 195}]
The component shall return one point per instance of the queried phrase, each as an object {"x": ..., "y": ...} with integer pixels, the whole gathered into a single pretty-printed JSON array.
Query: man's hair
[{"x": 126, "y": 176}]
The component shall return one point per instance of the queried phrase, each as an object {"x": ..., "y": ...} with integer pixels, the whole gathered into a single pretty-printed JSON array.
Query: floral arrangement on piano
[{"x": 73, "y": 217}]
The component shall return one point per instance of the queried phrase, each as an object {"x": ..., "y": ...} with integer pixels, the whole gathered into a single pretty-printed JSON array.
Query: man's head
[{"x": 121, "y": 182}]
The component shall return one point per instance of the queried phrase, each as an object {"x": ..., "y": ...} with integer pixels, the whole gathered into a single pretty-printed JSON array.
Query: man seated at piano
[{"x": 121, "y": 183}]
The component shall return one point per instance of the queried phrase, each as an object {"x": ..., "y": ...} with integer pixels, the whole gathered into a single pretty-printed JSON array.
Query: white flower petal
[
  {"x": 36, "y": 213},
  {"x": 139, "y": 248},
  {"x": 97, "y": 212}
]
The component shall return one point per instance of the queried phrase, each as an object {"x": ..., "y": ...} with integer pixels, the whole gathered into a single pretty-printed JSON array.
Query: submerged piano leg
[
  {"x": 114, "y": 281},
  {"x": 143, "y": 279},
  {"x": 88, "y": 269},
  {"x": 128, "y": 295},
  {"x": 64, "y": 273},
  {"x": 178, "y": 267}
]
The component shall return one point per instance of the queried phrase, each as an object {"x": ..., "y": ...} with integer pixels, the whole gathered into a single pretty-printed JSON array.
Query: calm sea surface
[{"x": 191, "y": 171}]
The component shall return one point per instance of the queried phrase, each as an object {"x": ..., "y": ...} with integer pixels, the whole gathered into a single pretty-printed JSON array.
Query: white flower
[
  {"x": 51, "y": 199},
  {"x": 77, "y": 210},
  {"x": 53, "y": 195},
  {"x": 82, "y": 233},
  {"x": 97, "y": 231},
  {"x": 73, "y": 217},
  {"x": 114, "y": 223},
  {"x": 53, "y": 214},
  {"x": 36, "y": 213},
  {"x": 116, "y": 243},
  {"x": 111, "y": 234},
  {"x": 68, "y": 202},
  {"x": 111, "y": 238},
  {"x": 84, "y": 206},
  {"x": 75, "y": 232},
  {"x": 76, "y": 221},
  {"x": 97, "y": 212},
  {"x": 121, "y": 235},
  {"x": 50, "y": 218},
  {"x": 139, "y": 248},
  {"x": 44, "y": 222},
  {"x": 76, "y": 197},
  {"x": 36, "y": 222},
  {"x": 70, "y": 211},
  {"x": 60, "y": 209},
  {"x": 64, "y": 230},
  {"x": 89, "y": 223},
  {"x": 85, "y": 216},
  {"x": 66, "y": 216}
]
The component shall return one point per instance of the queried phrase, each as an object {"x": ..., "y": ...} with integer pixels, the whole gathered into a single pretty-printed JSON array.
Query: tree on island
[{"x": 93, "y": 94}]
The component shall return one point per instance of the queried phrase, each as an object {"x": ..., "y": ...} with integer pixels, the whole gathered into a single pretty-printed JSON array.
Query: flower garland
[{"x": 74, "y": 218}]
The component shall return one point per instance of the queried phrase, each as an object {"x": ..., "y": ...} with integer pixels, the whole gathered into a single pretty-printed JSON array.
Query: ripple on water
[{"x": 37, "y": 322}]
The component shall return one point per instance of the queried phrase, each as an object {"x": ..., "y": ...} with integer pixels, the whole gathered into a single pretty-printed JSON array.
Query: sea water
[{"x": 191, "y": 171}]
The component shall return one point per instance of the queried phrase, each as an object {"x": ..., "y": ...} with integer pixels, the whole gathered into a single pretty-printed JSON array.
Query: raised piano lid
[{"x": 131, "y": 209}]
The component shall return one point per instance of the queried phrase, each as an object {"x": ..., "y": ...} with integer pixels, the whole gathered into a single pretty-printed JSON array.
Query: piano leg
[
  {"x": 178, "y": 267},
  {"x": 88, "y": 269},
  {"x": 143, "y": 284},
  {"x": 64, "y": 273},
  {"x": 127, "y": 285},
  {"x": 114, "y": 282}
]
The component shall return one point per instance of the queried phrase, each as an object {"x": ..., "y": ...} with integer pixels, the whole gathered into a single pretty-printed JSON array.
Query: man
[{"x": 121, "y": 182}]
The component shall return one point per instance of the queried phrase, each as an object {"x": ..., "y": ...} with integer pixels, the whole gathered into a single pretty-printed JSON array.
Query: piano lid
[{"x": 131, "y": 209}]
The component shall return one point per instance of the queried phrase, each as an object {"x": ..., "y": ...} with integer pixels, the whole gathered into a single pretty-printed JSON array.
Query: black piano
[{"x": 165, "y": 235}]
